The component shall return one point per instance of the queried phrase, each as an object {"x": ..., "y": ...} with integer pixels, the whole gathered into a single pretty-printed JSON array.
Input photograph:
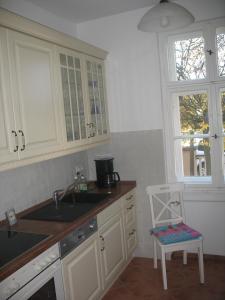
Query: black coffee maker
[{"x": 106, "y": 177}]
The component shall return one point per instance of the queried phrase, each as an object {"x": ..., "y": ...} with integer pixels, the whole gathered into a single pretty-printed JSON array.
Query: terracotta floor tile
[{"x": 140, "y": 281}]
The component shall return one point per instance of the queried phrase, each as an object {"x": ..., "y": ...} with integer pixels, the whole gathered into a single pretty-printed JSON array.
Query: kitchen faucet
[{"x": 58, "y": 195}]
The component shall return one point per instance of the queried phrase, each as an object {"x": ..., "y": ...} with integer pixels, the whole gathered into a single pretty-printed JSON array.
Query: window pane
[
  {"x": 220, "y": 42},
  {"x": 194, "y": 114},
  {"x": 190, "y": 59},
  {"x": 195, "y": 154},
  {"x": 223, "y": 108}
]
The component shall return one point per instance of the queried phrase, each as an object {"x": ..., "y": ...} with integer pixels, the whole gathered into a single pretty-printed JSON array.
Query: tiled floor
[{"x": 140, "y": 281}]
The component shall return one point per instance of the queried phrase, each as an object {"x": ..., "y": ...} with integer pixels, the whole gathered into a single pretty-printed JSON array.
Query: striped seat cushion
[{"x": 180, "y": 232}]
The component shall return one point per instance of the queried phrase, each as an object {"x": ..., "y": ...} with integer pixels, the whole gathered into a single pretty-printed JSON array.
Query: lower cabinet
[
  {"x": 81, "y": 272},
  {"x": 129, "y": 219},
  {"x": 91, "y": 269},
  {"x": 112, "y": 249},
  {"x": 131, "y": 239}
]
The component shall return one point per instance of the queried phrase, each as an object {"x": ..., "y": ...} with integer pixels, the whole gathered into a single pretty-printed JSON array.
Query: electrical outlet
[
  {"x": 11, "y": 216},
  {"x": 79, "y": 169}
]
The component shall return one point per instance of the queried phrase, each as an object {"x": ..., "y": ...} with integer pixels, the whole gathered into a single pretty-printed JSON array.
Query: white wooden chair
[{"x": 168, "y": 199}]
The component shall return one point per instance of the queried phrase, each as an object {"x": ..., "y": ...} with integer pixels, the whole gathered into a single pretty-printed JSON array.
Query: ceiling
[{"x": 79, "y": 11}]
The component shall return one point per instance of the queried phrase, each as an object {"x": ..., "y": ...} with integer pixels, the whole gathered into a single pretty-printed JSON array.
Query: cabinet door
[
  {"x": 81, "y": 272},
  {"x": 112, "y": 249},
  {"x": 8, "y": 135},
  {"x": 131, "y": 239},
  {"x": 98, "y": 122},
  {"x": 34, "y": 94},
  {"x": 130, "y": 227},
  {"x": 72, "y": 91}
]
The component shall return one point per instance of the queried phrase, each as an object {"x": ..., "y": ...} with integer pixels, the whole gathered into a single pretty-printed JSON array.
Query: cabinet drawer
[
  {"x": 109, "y": 212},
  {"x": 129, "y": 213},
  {"x": 131, "y": 238},
  {"x": 129, "y": 198}
]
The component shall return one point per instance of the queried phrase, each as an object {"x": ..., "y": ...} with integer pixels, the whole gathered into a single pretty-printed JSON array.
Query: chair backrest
[{"x": 168, "y": 199}]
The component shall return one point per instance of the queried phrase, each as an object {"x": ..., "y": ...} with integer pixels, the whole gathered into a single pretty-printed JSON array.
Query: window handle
[
  {"x": 215, "y": 136},
  {"x": 210, "y": 51}
]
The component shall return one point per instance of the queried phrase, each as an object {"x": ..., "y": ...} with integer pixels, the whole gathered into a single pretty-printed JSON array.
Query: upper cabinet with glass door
[
  {"x": 72, "y": 92},
  {"x": 84, "y": 98},
  {"x": 98, "y": 116}
]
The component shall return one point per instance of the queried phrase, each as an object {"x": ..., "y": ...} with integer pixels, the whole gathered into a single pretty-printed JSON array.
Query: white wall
[{"x": 35, "y": 13}]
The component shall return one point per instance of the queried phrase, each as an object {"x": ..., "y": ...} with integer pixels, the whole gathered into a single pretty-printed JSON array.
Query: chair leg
[
  {"x": 155, "y": 254},
  {"x": 163, "y": 262},
  {"x": 201, "y": 263},
  {"x": 184, "y": 257}
]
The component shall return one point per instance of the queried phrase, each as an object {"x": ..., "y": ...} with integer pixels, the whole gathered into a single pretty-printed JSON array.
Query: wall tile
[{"x": 26, "y": 186}]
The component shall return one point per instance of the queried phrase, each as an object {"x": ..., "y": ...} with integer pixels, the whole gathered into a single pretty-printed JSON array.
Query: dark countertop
[{"x": 56, "y": 230}]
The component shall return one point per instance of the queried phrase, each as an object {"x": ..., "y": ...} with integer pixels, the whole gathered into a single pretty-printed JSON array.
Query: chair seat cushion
[{"x": 180, "y": 232}]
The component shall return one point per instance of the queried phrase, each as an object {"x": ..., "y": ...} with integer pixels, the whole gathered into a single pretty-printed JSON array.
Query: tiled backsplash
[{"x": 26, "y": 186}]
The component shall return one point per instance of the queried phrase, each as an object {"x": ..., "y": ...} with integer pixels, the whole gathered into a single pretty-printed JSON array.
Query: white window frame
[{"x": 212, "y": 84}]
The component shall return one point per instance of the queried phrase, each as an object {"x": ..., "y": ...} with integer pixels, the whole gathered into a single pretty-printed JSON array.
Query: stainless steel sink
[{"x": 71, "y": 207}]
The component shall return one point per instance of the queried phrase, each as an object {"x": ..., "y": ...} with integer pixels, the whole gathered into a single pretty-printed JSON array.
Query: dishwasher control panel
[{"x": 77, "y": 236}]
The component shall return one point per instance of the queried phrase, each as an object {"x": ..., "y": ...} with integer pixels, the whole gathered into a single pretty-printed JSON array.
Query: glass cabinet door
[
  {"x": 73, "y": 98},
  {"x": 97, "y": 98}
]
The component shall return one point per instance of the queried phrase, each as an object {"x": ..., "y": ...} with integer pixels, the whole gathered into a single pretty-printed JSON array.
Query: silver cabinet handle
[
  {"x": 130, "y": 197},
  {"x": 130, "y": 207},
  {"x": 93, "y": 126},
  {"x": 23, "y": 140},
  {"x": 132, "y": 232},
  {"x": 92, "y": 129},
  {"x": 103, "y": 240},
  {"x": 16, "y": 141},
  {"x": 89, "y": 130}
]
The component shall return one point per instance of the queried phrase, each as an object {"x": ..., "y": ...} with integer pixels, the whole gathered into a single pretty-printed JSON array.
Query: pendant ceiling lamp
[{"x": 165, "y": 16}]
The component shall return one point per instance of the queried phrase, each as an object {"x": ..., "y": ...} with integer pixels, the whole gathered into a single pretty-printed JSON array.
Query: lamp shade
[{"x": 165, "y": 16}]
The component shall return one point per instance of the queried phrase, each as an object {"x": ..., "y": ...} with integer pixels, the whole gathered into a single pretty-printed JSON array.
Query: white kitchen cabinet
[
  {"x": 130, "y": 226},
  {"x": 81, "y": 272},
  {"x": 82, "y": 83},
  {"x": 112, "y": 249},
  {"x": 8, "y": 135},
  {"x": 52, "y": 93},
  {"x": 96, "y": 97},
  {"x": 34, "y": 95},
  {"x": 72, "y": 92}
]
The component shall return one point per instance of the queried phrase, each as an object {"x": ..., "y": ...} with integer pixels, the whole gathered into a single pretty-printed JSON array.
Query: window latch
[
  {"x": 215, "y": 136},
  {"x": 209, "y": 51}
]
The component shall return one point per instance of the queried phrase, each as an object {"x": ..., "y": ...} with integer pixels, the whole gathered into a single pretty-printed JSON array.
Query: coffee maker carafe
[{"x": 106, "y": 177}]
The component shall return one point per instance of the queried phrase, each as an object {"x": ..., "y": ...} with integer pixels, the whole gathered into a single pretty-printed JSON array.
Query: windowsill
[{"x": 201, "y": 185}]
